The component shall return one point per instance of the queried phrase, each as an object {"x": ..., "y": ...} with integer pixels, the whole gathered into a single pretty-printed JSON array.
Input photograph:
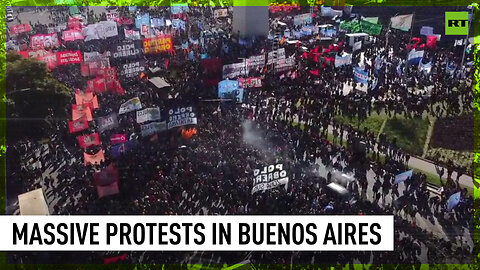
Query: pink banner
[
  {"x": 118, "y": 138},
  {"x": 69, "y": 57},
  {"x": 20, "y": 28},
  {"x": 72, "y": 35}
]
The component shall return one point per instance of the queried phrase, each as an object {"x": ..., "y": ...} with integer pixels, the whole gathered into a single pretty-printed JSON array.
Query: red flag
[
  {"x": 77, "y": 125},
  {"x": 106, "y": 182},
  {"x": 86, "y": 141},
  {"x": 432, "y": 42},
  {"x": 94, "y": 158},
  {"x": 115, "y": 259},
  {"x": 314, "y": 72}
]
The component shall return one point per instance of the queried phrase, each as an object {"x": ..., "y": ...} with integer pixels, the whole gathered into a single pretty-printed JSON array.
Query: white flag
[{"x": 402, "y": 22}]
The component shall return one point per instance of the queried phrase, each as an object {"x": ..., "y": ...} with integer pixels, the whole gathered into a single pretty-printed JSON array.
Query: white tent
[{"x": 33, "y": 203}]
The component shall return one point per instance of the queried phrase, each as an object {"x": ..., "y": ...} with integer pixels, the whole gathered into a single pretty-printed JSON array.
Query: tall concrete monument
[{"x": 250, "y": 18}]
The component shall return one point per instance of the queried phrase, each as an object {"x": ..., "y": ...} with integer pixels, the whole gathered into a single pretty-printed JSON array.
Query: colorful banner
[
  {"x": 302, "y": 19},
  {"x": 113, "y": 16},
  {"x": 158, "y": 22},
  {"x": 343, "y": 60},
  {"x": 77, "y": 125},
  {"x": 118, "y": 138},
  {"x": 130, "y": 106},
  {"x": 50, "y": 59},
  {"x": 426, "y": 30},
  {"x": 212, "y": 71},
  {"x": 178, "y": 24},
  {"x": 44, "y": 41},
  {"x": 132, "y": 34},
  {"x": 107, "y": 122},
  {"x": 251, "y": 82},
  {"x": 360, "y": 75},
  {"x": 86, "y": 141},
  {"x": 403, "y": 177},
  {"x": 94, "y": 158},
  {"x": 148, "y": 114},
  {"x": 220, "y": 13},
  {"x": 152, "y": 128},
  {"x": 86, "y": 98},
  {"x": 122, "y": 148},
  {"x": 143, "y": 19},
  {"x": 158, "y": 44},
  {"x": 181, "y": 116},
  {"x": 20, "y": 28},
  {"x": 69, "y": 57},
  {"x": 82, "y": 112},
  {"x": 371, "y": 28},
  {"x": 414, "y": 57},
  {"x": 106, "y": 182},
  {"x": 269, "y": 177},
  {"x": 402, "y": 22},
  {"x": 72, "y": 35}
]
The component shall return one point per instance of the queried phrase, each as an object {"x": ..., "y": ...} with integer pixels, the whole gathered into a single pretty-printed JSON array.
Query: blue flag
[
  {"x": 360, "y": 75},
  {"x": 414, "y": 57},
  {"x": 142, "y": 20},
  {"x": 122, "y": 148},
  {"x": 403, "y": 176},
  {"x": 453, "y": 201}
]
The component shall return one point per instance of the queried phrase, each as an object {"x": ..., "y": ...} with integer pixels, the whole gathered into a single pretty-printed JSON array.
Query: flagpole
[
  {"x": 466, "y": 38},
  {"x": 411, "y": 35}
]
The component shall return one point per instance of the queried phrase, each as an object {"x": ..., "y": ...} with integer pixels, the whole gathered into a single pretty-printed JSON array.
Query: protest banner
[
  {"x": 20, "y": 28},
  {"x": 113, "y": 16},
  {"x": 269, "y": 177},
  {"x": 72, "y": 35},
  {"x": 118, "y": 138},
  {"x": 130, "y": 105},
  {"x": 107, "y": 122},
  {"x": 157, "y": 44},
  {"x": 148, "y": 114},
  {"x": 80, "y": 112},
  {"x": 284, "y": 64},
  {"x": 82, "y": 98},
  {"x": 220, "y": 13},
  {"x": 234, "y": 70},
  {"x": 127, "y": 50},
  {"x": 118, "y": 150},
  {"x": 302, "y": 19},
  {"x": 250, "y": 82},
  {"x": 132, "y": 69},
  {"x": 69, "y": 57},
  {"x": 94, "y": 158},
  {"x": 77, "y": 125},
  {"x": 152, "y": 128},
  {"x": 86, "y": 141},
  {"x": 256, "y": 62},
  {"x": 106, "y": 181},
  {"x": 41, "y": 41},
  {"x": 181, "y": 116},
  {"x": 50, "y": 59},
  {"x": 132, "y": 34},
  {"x": 343, "y": 60}
]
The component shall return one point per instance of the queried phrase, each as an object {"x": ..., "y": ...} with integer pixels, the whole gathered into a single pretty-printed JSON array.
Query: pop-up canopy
[{"x": 33, "y": 203}]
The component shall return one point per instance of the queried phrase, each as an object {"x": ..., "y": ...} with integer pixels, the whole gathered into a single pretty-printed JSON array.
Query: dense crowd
[{"x": 289, "y": 120}]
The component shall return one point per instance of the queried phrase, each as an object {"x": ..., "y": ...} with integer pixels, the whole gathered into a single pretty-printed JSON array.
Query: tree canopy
[{"x": 32, "y": 95}]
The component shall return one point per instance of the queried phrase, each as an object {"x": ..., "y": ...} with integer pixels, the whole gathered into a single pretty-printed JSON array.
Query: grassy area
[
  {"x": 410, "y": 133},
  {"x": 372, "y": 123}
]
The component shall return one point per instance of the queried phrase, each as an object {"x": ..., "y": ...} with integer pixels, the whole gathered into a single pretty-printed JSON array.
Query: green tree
[{"x": 32, "y": 96}]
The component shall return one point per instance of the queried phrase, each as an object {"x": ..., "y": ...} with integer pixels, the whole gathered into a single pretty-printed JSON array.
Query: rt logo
[{"x": 456, "y": 23}]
